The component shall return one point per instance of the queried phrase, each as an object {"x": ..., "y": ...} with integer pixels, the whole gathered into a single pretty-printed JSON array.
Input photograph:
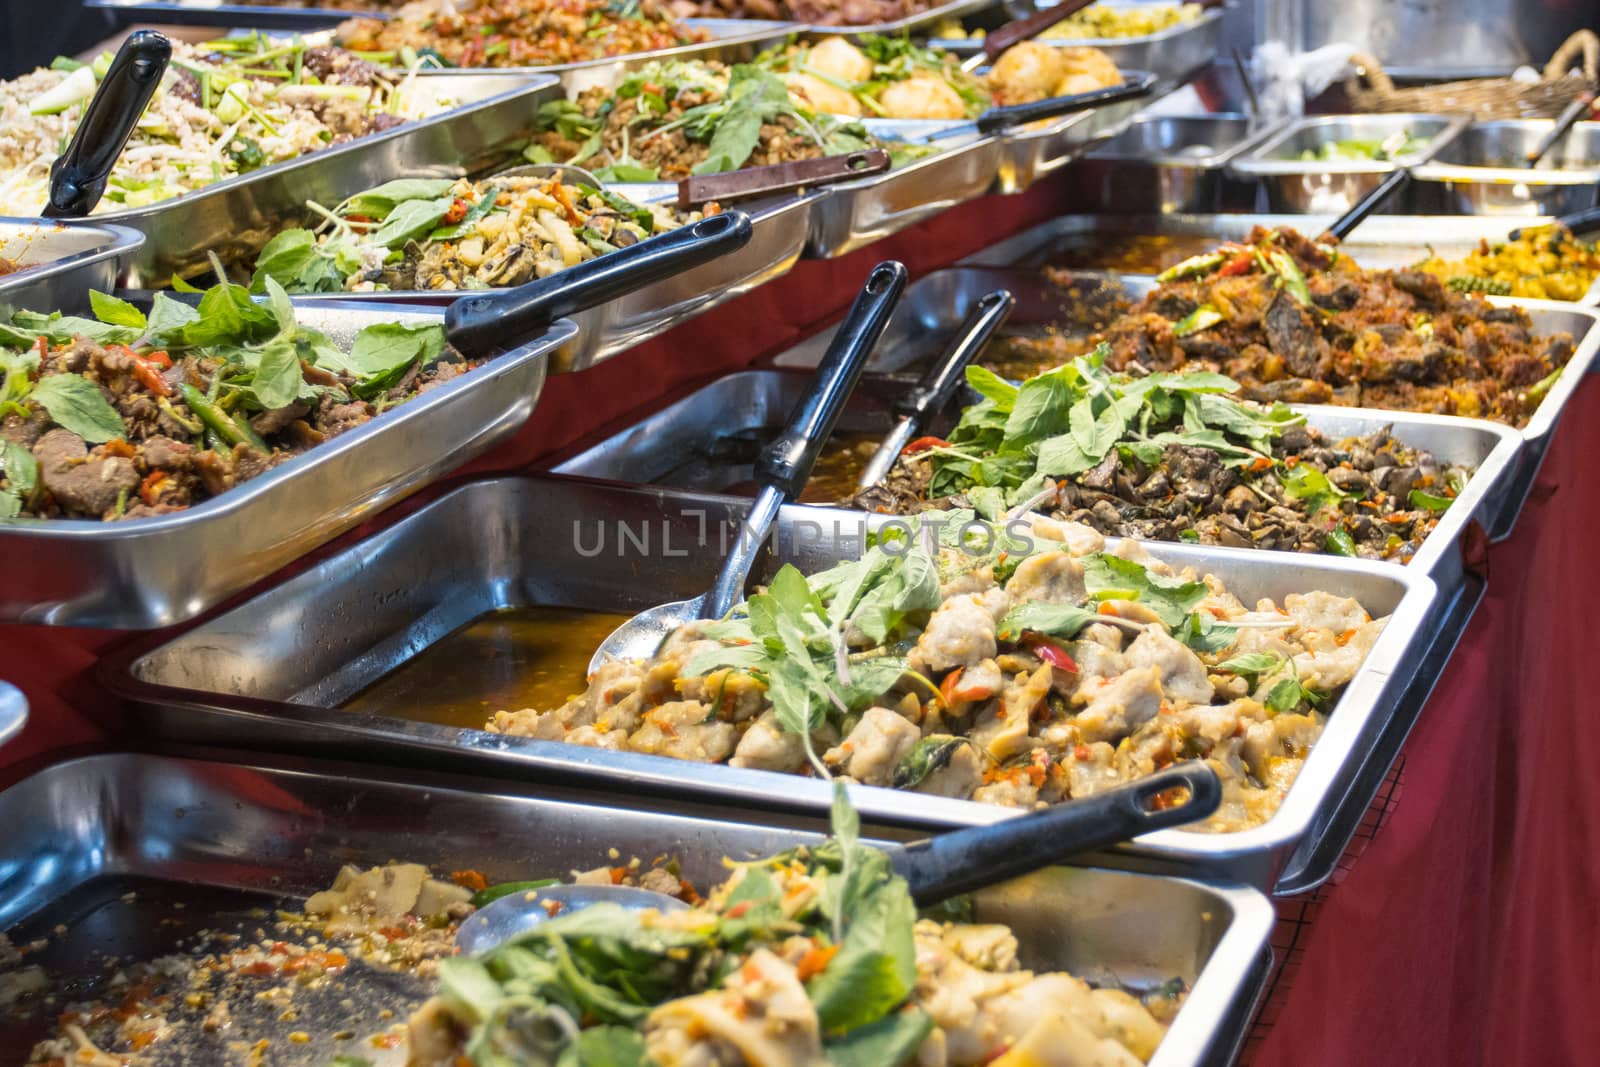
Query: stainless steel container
[
  {"x": 1482, "y": 172},
  {"x": 1164, "y": 163},
  {"x": 920, "y": 21},
  {"x": 154, "y": 572},
  {"x": 189, "y": 830},
  {"x": 274, "y": 671},
  {"x": 781, "y": 227},
  {"x": 236, "y": 217},
  {"x": 209, "y": 13},
  {"x": 58, "y": 263},
  {"x": 13, "y": 712},
  {"x": 1332, "y": 187},
  {"x": 651, "y": 451},
  {"x": 1039, "y": 149}
]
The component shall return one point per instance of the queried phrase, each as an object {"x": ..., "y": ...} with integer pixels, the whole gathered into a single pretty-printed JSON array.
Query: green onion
[
  {"x": 1201, "y": 318},
  {"x": 484, "y": 897}
]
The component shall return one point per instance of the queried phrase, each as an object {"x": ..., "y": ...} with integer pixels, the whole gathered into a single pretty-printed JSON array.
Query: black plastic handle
[
  {"x": 929, "y": 396},
  {"x": 1570, "y": 117},
  {"x": 78, "y": 176},
  {"x": 1003, "y": 118},
  {"x": 1345, "y": 224},
  {"x": 1024, "y": 29},
  {"x": 1579, "y": 222},
  {"x": 479, "y": 325},
  {"x": 786, "y": 462},
  {"x": 965, "y": 860}
]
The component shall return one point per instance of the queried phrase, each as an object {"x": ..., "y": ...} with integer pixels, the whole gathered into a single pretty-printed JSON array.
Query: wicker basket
[{"x": 1484, "y": 98}]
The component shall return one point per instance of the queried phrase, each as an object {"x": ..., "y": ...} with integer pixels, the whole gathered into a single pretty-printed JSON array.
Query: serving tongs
[
  {"x": 751, "y": 182},
  {"x": 928, "y": 397},
  {"x": 1569, "y": 117},
  {"x": 78, "y": 176},
  {"x": 1578, "y": 223},
  {"x": 998, "y": 119},
  {"x": 1345, "y": 224},
  {"x": 935, "y": 868},
  {"x": 781, "y": 470},
  {"x": 1019, "y": 30}
]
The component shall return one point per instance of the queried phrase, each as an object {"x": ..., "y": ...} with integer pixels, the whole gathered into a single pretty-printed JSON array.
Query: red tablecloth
[{"x": 1466, "y": 931}]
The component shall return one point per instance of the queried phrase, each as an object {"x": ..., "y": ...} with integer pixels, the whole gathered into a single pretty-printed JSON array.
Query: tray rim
[
  {"x": 118, "y": 241},
  {"x": 1255, "y": 164}
]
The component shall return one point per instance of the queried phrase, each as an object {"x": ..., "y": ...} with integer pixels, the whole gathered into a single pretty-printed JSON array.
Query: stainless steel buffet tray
[
  {"x": 920, "y": 21},
  {"x": 274, "y": 671},
  {"x": 236, "y": 217},
  {"x": 1039, "y": 149},
  {"x": 154, "y": 572},
  {"x": 219, "y": 838},
  {"x": 1481, "y": 172},
  {"x": 58, "y": 263},
  {"x": 647, "y": 452},
  {"x": 214, "y": 13},
  {"x": 1164, "y": 164},
  {"x": 781, "y": 227},
  {"x": 1175, "y": 54},
  {"x": 1334, "y": 186}
]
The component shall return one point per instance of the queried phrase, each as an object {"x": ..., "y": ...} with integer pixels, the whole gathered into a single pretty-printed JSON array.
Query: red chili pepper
[
  {"x": 159, "y": 358},
  {"x": 1239, "y": 264},
  {"x": 150, "y": 488},
  {"x": 457, "y": 212},
  {"x": 43, "y": 346},
  {"x": 947, "y": 688},
  {"x": 922, "y": 444},
  {"x": 149, "y": 376},
  {"x": 1051, "y": 654}
]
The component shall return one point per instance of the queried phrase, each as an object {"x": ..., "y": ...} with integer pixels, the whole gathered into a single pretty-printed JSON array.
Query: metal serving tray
[
  {"x": 648, "y": 452},
  {"x": 781, "y": 225},
  {"x": 922, "y": 20},
  {"x": 213, "y": 13},
  {"x": 13, "y": 712},
  {"x": 1336, "y": 186},
  {"x": 154, "y": 572},
  {"x": 60, "y": 262},
  {"x": 1165, "y": 164},
  {"x": 1032, "y": 152},
  {"x": 236, "y": 217},
  {"x": 1174, "y": 55},
  {"x": 273, "y": 671},
  {"x": 1481, "y": 172},
  {"x": 177, "y": 829}
]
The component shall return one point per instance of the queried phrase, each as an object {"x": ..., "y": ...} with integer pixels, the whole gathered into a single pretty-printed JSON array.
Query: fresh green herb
[
  {"x": 1055, "y": 620},
  {"x": 926, "y": 756},
  {"x": 1202, "y": 632},
  {"x": 77, "y": 404},
  {"x": 1430, "y": 502},
  {"x": 1307, "y": 483},
  {"x": 1201, "y": 318},
  {"x": 1170, "y": 598},
  {"x": 484, "y": 897},
  {"x": 1340, "y": 543}
]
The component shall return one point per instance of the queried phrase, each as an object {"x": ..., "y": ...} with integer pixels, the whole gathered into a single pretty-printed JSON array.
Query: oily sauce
[
  {"x": 1129, "y": 253},
  {"x": 532, "y": 657}
]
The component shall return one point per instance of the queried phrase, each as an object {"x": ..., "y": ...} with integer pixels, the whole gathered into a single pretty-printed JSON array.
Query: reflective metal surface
[
  {"x": 1333, "y": 187},
  {"x": 738, "y": 404},
  {"x": 1034, "y": 151},
  {"x": 920, "y": 21},
  {"x": 1481, "y": 172},
  {"x": 1164, "y": 163},
  {"x": 781, "y": 225},
  {"x": 13, "y": 711},
  {"x": 274, "y": 671},
  {"x": 147, "y": 573},
  {"x": 284, "y": 830},
  {"x": 60, "y": 262},
  {"x": 215, "y": 13},
  {"x": 1462, "y": 38},
  {"x": 236, "y": 217}
]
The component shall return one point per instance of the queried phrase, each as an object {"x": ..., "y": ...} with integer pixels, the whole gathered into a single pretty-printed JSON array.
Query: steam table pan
[
  {"x": 221, "y": 838},
  {"x": 275, "y": 671},
  {"x": 153, "y": 572},
  {"x": 57, "y": 263},
  {"x": 1482, "y": 172}
]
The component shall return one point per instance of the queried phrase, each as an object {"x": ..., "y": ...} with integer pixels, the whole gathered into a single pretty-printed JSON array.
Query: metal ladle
[{"x": 934, "y": 868}]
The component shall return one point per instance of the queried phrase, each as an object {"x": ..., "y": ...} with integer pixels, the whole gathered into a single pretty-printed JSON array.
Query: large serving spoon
[
  {"x": 928, "y": 397},
  {"x": 997, "y": 119},
  {"x": 935, "y": 868},
  {"x": 482, "y": 324},
  {"x": 78, "y": 176},
  {"x": 1019, "y": 30},
  {"x": 781, "y": 470}
]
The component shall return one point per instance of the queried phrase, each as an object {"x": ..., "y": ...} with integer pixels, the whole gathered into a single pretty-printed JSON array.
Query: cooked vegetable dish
[
  {"x": 671, "y": 119},
  {"x": 1100, "y": 22},
  {"x": 1017, "y": 667},
  {"x": 1172, "y": 457},
  {"x": 515, "y": 33},
  {"x": 1545, "y": 263},
  {"x": 223, "y": 108},
  {"x": 444, "y": 234},
  {"x": 128, "y": 415},
  {"x": 1295, "y": 320},
  {"x": 814, "y": 956},
  {"x": 1353, "y": 149},
  {"x": 809, "y": 12}
]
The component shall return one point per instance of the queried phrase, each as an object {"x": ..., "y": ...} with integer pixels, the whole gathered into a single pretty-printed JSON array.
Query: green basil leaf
[
  {"x": 1056, "y": 620},
  {"x": 378, "y": 202},
  {"x": 77, "y": 404},
  {"x": 411, "y": 219},
  {"x": 115, "y": 312},
  {"x": 1285, "y": 695},
  {"x": 892, "y": 1041},
  {"x": 989, "y": 384},
  {"x": 277, "y": 376},
  {"x": 1429, "y": 502},
  {"x": 1250, "y": 663},
  {"x": 926, "y": 756},
  {"x": 484, "y": 897},
  {"x": 168, "y": 316},
  {"x": 21, "y": 469}
]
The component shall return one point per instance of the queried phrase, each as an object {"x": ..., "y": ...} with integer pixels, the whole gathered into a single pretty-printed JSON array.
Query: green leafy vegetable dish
[
  {"x": 813, "y": 957},
  {"x": 1013, "y": 664},
  {"x": 1172, "y": 456},
  {"x": 1357, "y": 150},
  {"x": 670, "y": 119},
  {"x": 131, "y": 414}
]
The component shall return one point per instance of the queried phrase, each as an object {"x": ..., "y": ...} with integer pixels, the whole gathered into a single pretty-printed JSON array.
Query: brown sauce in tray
[
  {"x": 507, "y": 660},
  {"x": 1131, "y": 253},
  {"x": 840, "y": 466}
]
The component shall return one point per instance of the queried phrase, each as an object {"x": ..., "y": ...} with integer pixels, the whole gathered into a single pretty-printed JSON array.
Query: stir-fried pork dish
[
  {"x": 130, "y": 415},
  {"x": 1169, "y": 457},
  {"x": 991, "y": 667},
  {"x": 223, "y": 108},
  {"x": 1295, "y": 320},
  {"x": 810, "y": 12},
  {"x": 1545, "y": 263},
  {"x": 515, "y": 33},
  {"x": 815, "y": 956},
  {"x": 462, "y": 234}
]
